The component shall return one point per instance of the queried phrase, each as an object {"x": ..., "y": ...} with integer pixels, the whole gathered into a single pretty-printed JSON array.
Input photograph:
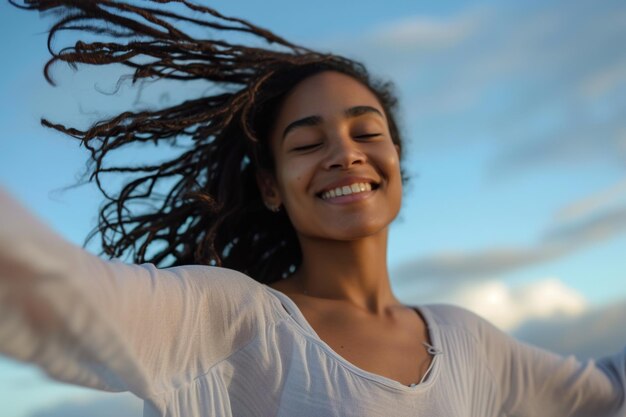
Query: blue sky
[{"x": 516, "y": 119}]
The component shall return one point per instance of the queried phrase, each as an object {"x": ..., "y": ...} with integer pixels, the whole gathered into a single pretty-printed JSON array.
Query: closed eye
[
  {"x": 369, "y": 135},
  {"x": 306, "y": 147}
]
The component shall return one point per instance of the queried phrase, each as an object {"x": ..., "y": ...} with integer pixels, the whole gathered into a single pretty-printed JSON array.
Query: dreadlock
[{"x": 212, "y": 211}]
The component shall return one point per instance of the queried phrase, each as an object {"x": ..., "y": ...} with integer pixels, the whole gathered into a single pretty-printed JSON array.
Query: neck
[{"x": 350, "y": 271}]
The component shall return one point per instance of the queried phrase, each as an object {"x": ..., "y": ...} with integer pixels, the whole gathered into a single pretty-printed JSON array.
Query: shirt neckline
[{"x": 290, "y": 309}]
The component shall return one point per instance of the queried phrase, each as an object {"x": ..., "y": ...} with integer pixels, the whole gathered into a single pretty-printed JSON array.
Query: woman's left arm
[{"x": 535, "y": 382}]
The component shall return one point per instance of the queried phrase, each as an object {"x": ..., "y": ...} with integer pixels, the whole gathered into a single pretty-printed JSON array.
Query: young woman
[{"x": 276, "y": 298}]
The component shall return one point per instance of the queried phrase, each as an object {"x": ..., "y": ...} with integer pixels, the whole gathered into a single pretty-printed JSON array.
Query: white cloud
[
  {"x": 593, "y": 203},
  {"x": 429, "y": 32},
  {"x": 509, "y": 306},
  {"x": 498, "y": 74},
  {"x": 585, "y": 223},
  {"x": 597, "y": 226},
  {"x": 480, "y": 264}
]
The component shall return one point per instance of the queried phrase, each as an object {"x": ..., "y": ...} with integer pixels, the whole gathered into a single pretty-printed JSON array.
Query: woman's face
[{"x": 337, "y": 170}]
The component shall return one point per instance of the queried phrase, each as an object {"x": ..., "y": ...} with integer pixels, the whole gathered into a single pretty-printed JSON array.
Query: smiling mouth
[{"x": 356, "y": 188}]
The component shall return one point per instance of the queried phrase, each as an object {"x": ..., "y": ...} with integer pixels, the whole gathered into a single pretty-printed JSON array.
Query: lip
[{"x": 348, "y": 181}]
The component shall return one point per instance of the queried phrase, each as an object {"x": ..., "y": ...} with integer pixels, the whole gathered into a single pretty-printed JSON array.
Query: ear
[
  {"x": 268, "y": 188},
  {"x": 395, "y": 145}
]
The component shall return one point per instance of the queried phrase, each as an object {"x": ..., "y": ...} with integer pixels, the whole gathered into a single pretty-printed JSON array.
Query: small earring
[{"x": 273, "y": 209}]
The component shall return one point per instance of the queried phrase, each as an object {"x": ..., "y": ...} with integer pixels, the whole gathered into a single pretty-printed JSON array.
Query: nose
[{"x": 344, "y": 152}]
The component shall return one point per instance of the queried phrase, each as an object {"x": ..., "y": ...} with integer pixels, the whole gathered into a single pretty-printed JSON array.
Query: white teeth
[{"x": 347, "y": 190}]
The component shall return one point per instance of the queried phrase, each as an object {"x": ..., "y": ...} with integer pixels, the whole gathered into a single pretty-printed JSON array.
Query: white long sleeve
[
  {"x": 109, "y": 325},
  {"x": 534, "y": 382}
]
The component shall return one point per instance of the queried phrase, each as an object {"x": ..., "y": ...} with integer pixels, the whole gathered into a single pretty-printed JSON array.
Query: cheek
[
  {"x": 390, "y": 160},
  {"x": 294, "y": 180},
  {"x": 392, "y": 167}
]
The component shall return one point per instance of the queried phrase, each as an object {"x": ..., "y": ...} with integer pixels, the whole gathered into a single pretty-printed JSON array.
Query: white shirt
[{"x": 203, "y": 341}]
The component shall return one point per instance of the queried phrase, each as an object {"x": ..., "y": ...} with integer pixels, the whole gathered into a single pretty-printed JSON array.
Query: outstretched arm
[
  {"x": 106, "y": 324},
  {"x": 533, "y": 382},
  {"x": 536, "y": 382}
]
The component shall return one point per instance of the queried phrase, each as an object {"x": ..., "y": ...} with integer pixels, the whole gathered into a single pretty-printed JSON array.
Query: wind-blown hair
[{"x": 212, "y": 211}]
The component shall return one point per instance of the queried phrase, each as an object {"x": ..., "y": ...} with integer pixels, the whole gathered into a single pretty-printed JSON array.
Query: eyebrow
[{"x": 316, "y": 120}]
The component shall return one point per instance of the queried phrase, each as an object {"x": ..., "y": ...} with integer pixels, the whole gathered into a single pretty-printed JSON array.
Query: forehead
[{"x": 327, "y": 94}]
